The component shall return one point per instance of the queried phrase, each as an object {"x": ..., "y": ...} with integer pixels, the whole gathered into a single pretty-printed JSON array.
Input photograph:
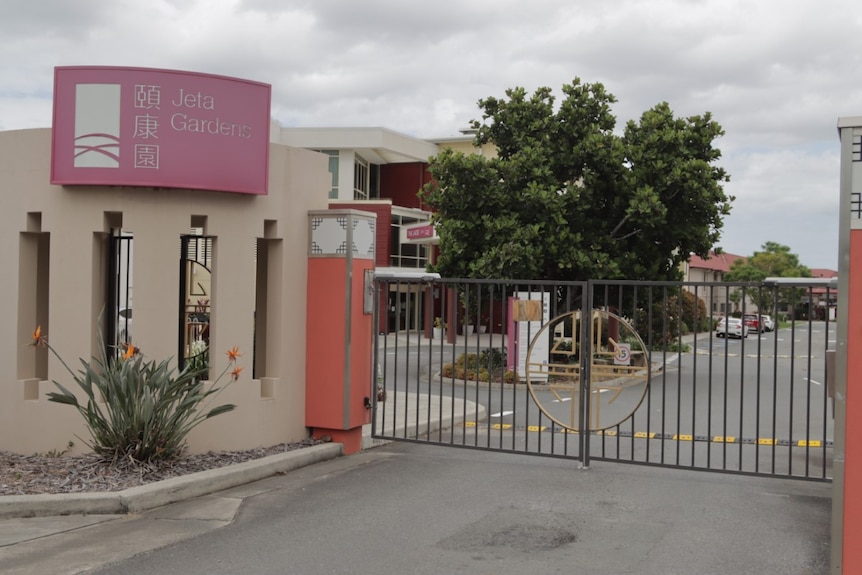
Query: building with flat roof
[{"x": 381, "y": 171}]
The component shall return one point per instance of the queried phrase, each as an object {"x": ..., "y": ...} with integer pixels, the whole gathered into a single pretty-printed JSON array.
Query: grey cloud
[{"x": 775, "y": 74}]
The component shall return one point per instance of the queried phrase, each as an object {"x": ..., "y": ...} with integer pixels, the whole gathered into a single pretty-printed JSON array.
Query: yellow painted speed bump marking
[
  {"x": 812, "y": 443},
  {"x": 723, "y": 439},
  {"x": 667, "y": 436}
]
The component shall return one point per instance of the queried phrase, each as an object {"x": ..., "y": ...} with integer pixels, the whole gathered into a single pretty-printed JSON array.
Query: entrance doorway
[{"x": 405, "y": 307}]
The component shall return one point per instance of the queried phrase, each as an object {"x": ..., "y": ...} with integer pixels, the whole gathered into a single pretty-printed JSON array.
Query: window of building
[
  {"x": 333, "y": 170},
  {"x": 360, "y": 178},
  {"x": 406, "y": 255}
]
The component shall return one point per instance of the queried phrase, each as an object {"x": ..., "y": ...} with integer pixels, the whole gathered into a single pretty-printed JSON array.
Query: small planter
[
  {"x": 438, "y": 332},
  {"x": 483, "y": 328},
  {"x": 468, "y": 328}
]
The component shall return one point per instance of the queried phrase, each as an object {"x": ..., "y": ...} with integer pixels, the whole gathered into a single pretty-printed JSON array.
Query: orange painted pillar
[
  {"x": 852, "y": 548},
  {"x": 339, "y": 325},
  {"x": 847, "y": 461}
]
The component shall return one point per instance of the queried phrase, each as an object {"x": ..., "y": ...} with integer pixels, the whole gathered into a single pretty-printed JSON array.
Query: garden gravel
[{"x": 61, "y": 473}]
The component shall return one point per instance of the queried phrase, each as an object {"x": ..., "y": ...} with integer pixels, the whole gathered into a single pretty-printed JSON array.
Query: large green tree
[
  {"x": 775, "y": 260},
  {"x": 568, "y": 198}
]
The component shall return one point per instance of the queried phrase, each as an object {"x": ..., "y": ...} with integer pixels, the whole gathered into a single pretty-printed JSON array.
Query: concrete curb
[
  {"x": 137, "y": 499},
  {"x": 160, "y": 493}
]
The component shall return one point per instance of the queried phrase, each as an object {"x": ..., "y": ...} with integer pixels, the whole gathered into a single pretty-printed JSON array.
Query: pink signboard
[
  {"x": 159, "y": 128},
  {"x": 420, "y": 232}
]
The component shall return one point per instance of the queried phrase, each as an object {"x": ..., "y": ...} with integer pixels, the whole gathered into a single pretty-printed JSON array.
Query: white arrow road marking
[
  {"x": 502, "y": 414},
  {"x": 814, "y": 382},
  {"x": 563, "y": 399}
]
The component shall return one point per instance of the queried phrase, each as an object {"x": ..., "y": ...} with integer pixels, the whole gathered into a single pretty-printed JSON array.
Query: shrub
[
  {"x": 493, "y": 357},
  {"x": 487, "y": 365},
  {"x": 671, "y": 317},
  {"x": 137, "y": 409},
  {"x": 467, "y": 361}
]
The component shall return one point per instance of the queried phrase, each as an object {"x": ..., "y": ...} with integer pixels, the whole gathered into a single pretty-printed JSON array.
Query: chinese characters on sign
[{"x": 147, "y": 97}]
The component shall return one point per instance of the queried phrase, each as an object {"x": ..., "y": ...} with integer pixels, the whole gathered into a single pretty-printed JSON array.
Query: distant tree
[
  {"x": 568, "y": 199},
  {"x": 776, "y": 260}
]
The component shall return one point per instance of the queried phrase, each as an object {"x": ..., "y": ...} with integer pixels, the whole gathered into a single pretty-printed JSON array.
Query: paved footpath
[{"x": 406, "y": 508}]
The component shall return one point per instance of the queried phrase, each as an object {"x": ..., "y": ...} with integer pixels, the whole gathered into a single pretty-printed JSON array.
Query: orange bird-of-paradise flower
[
  {"x": 38, "y": 338},
  {"x": 130, "y": 351},
  {"x": 235, "y": 373},
  {"x": 233, "y": 354}
]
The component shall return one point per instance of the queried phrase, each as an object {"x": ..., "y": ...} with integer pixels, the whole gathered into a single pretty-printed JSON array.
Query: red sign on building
[{"x": 159, "y": 128}]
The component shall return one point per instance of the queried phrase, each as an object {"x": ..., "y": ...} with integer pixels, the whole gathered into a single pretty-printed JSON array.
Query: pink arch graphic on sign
[{"x": 98, "y": 149}]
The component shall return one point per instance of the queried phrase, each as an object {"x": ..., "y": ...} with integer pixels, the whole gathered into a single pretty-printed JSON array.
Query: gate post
[
  {"x": 847, "y": 460},
  {"x": 338, "y": 329}
]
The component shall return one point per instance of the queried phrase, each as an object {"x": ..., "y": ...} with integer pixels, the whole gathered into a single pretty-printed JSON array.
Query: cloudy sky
[{"x": 776, "y": 74}]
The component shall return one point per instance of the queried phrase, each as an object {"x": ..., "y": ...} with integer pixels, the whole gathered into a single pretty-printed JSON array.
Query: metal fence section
[
  {"x": 196, "y": 260},
  {"x": 449, "y": 375},
  {"x": 756, "y": 404},
  {"x": 637, "y": 372}
]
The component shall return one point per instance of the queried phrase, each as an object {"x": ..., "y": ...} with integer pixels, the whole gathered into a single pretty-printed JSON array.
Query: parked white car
[
  {"x": 768, "y": 323},
  {"x": 731, "y": 327}
]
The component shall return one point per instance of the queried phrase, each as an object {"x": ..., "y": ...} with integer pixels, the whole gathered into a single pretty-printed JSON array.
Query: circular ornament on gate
[{"x": 616, "y": 363}]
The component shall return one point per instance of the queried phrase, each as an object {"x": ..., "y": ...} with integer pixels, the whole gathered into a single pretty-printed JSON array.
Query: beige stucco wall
[
  {"x": 269, "y": 411},
  {"x": 465, "y": 145}
]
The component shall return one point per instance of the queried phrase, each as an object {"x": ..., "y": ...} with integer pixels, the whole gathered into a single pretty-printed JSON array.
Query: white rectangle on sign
[{"x": 527, "y": 330}]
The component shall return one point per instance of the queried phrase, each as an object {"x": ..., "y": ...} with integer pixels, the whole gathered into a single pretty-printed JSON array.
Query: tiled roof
[
  {"x": 716, "y": 262},
  {"x": 823, "y": 273}
]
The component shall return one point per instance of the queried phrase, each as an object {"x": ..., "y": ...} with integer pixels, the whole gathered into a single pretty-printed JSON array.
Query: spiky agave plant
[{"x": 140, "y": 409}]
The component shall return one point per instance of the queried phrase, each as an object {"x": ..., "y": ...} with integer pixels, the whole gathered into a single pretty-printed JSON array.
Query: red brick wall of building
[{"x": 401, "y": 183}]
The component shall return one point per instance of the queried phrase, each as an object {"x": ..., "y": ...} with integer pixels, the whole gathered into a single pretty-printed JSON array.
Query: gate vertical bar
[{"x": 585, "y": 356}]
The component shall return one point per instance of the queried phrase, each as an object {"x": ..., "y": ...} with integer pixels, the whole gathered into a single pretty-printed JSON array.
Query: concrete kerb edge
[
  {"x": 144, "y": 497},
  {"x": 193, "y": 485}
]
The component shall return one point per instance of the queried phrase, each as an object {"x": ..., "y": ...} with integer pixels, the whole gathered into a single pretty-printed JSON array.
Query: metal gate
[{"x": 637, "y": 372}]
